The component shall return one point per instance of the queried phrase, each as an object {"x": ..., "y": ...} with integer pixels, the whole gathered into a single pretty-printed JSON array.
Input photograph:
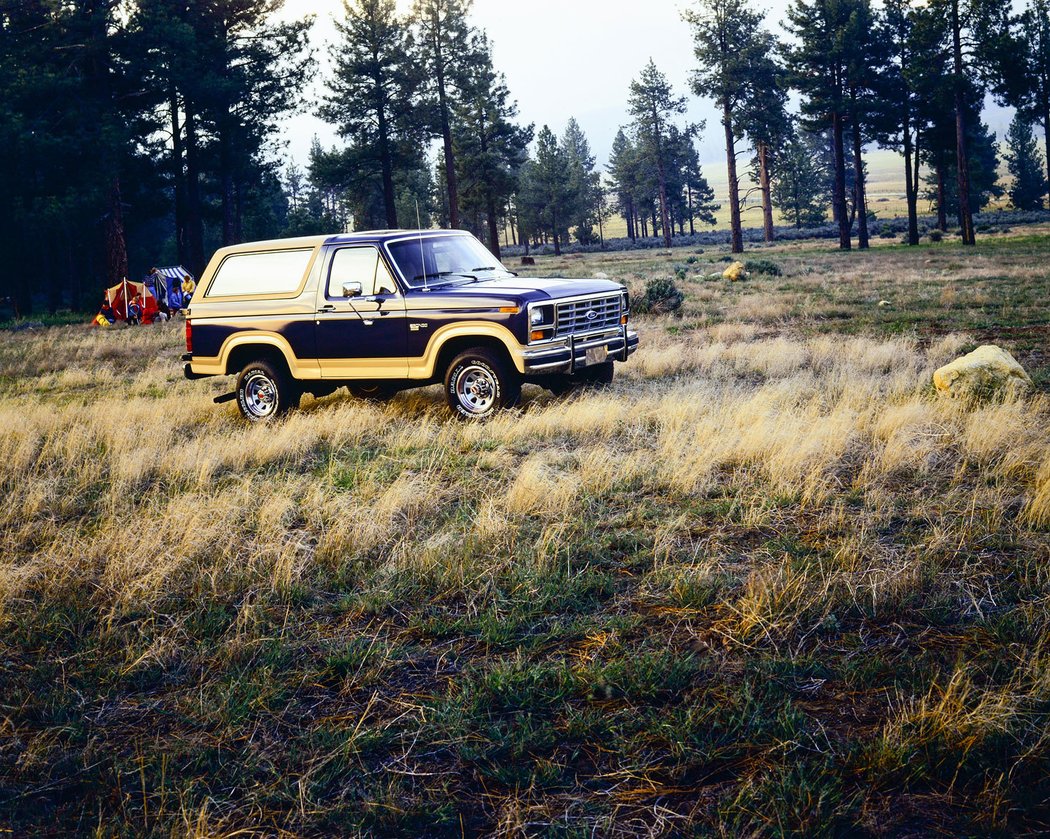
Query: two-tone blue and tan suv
[{"x": 381, "y": 312}]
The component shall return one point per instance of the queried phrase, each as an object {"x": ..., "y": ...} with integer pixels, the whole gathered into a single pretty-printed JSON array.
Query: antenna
[{"x": 422, "y": 257}]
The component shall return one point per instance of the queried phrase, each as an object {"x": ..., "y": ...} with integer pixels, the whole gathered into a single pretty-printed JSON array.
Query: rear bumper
[
  {"x": 187, "y": 368},
  {"x": 570, "y": 354}
]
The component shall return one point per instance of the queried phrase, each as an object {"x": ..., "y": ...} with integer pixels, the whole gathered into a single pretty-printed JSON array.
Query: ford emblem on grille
[{"x": 592, "y": 315}]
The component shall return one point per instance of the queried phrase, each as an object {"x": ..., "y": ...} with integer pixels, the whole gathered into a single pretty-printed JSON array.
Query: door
[{"x": 361, "y": 331}]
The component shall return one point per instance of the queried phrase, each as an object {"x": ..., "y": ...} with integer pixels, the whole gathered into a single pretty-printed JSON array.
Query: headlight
[{"x": 536, "y": 318}]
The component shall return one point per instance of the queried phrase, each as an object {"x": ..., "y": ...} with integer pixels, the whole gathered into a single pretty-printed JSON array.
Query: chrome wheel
[
  {"x": 260, "y": 395},
  {"x": 476, "y": 389}
]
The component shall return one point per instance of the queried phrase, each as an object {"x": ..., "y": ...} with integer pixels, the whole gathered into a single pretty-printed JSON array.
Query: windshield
[{"x": 429, "y": 260}]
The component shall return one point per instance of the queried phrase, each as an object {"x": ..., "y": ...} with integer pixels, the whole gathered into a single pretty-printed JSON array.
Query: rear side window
[{"x": 271, "y": 272}]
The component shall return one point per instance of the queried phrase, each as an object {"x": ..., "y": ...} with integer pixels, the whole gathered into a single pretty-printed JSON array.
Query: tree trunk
[
  {"x": 962, "y": 164},
  {"x": 194, "y": 216},
  {"x": 942, "y": 196},
  {"x": 862, "y": 203},
  {"x": 1046, "y": 138},
  {"x": 116, "y": 248},
  {"x": 839, "y": 196},
  {"x": 767, "y": 192},
  {"x": 689, "y": 200},
  {"x": 911, "y": 193},
  {"x": 490, "y": 211},
  {"x": 736, "y": 234},
  {"x": 387, "y": 166},
  {"x": 229, "y": 235},
  {"x": 446, "y": 140},
  {"x": 178, "y": 176}
]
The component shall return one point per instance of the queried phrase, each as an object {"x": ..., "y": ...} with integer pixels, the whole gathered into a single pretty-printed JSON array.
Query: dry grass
[{"x": 767, "y": 583}]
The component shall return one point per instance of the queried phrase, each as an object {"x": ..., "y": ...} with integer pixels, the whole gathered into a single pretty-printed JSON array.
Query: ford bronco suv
[{"x": 381, "y": 312}]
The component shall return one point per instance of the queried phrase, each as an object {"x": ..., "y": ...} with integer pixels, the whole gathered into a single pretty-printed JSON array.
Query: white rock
[{"x": 986, "y": 371}]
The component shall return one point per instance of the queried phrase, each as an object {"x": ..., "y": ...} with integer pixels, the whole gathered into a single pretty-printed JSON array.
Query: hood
[{"x": 531, "y": 288}]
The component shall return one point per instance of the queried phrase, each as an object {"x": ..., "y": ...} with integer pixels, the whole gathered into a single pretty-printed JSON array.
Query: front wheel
[
  {"x": 265, "y": 391},
  {"x": 479, "y": 382}
]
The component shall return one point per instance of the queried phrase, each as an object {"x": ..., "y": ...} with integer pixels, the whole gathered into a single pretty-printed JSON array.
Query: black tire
[
  {"x": 377, "y": 392},
  {"x": 480, "y": 382},
  {"x": 265, "y": 390}
]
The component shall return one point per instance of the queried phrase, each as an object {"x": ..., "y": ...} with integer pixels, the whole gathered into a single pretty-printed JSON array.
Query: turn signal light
[
  {"x": 510, "y": 310},
  {"x": 623, "y": 318},
  {"x": 537, "y": 335}
]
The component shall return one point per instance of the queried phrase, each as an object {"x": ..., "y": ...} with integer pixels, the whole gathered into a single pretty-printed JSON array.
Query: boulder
[
  {"x": 735, "y": 272},
  {"x": 987, "y": 371}
]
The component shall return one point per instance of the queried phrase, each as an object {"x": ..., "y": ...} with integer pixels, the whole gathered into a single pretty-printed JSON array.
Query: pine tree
[
  {"x": 373, "y": 94},
  {"x": 1025, "y": 163},
  {"x": 865, "y": 54},
  {"x": 798, "y": 177},
  {"x": 546, "y": 198},
  {"x": 448, "y": 48},
  {"x": 819, "y": 66},
  {"x": 898, "y": 118},
  {"x": 489, "y": 148},
  {"x": 623, "y": 172},
  {"x": 1025, "y": 67},
  {"x": 583, "y": 182},
  {"x": 736, "y": 71},
  {"x": 969, "y": 24},
  {"x": 653, "y": 106}
]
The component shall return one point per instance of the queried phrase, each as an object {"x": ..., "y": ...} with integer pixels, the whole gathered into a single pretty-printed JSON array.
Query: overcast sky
[{"x": 565, "y": 58}]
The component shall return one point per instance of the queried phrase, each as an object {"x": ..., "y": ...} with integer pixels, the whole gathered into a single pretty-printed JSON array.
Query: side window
[
  {"x": 353, "y": 265},
  {"x": 359, "y": 265}
]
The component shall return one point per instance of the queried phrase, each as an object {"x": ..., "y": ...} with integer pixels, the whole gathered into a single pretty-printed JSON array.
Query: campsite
[{"x": 768, "y": 583}]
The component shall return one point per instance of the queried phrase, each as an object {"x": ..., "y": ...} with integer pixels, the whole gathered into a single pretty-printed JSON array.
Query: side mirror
[{"x": 352, "y": 289}]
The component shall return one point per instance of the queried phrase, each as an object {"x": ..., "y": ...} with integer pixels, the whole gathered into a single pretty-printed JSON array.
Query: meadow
[{"x": 766, "y": 584}]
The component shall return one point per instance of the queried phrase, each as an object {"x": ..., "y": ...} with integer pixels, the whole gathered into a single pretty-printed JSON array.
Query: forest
[{"x": 138, "y": 132}]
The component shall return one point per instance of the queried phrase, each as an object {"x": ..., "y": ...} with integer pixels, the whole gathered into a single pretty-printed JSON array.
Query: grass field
[{"x": 768, "y": 583}]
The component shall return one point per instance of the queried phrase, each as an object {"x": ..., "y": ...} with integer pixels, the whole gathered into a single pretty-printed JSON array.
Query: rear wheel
[
  {"x": 265, "y": 391},
  {"x": 479, "y": 382}
]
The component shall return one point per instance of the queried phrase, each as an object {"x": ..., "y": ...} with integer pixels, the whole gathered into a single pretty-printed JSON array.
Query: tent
[
  {"x": 121, "y": 298},
  {"x": 164, "y": 282}
]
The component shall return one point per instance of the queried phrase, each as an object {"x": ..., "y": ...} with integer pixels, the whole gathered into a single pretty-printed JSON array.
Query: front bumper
[{"x": 568, "y": 355}]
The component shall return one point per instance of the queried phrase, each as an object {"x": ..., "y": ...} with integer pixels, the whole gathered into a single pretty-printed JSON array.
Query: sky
[{"x": 565, "y": 58}]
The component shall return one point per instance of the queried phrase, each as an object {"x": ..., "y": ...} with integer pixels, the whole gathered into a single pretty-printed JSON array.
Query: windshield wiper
[
  {"x": 495, "y": 268},
  {"x": 440, "y": 274}
]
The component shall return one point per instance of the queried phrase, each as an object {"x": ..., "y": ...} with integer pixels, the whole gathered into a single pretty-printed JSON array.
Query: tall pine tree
[{"x": 1025, "y": 164}]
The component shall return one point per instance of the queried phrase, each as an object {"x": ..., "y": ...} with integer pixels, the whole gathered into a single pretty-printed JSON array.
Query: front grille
[{"x": 594, "y": 313}]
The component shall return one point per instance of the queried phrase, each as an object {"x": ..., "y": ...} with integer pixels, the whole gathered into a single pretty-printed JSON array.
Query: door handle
[{"x": 328, "y": 307}]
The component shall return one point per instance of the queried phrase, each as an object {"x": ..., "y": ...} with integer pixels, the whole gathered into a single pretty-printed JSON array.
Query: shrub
[
  {"x": 690, "y": 260},
  {"x": 935, "y": 235},
  {"x": 661, "y": 297},
  {"x": 763, "y": 266}
]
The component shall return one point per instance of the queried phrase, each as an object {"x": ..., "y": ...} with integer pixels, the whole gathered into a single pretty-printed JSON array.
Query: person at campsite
[
  {"x": 188, "y": 287},
  {"x": 135, "y": 310},
  {"x": 175, "y": 298},
  {"x": 107, "y": 311}
]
